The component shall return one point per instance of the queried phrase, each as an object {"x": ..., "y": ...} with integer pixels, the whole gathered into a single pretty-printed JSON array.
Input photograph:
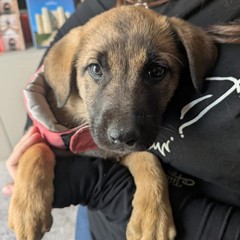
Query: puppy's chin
[{"x": 121, "y": 149}]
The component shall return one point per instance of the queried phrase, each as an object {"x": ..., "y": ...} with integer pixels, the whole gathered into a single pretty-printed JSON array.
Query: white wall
[{"x": 15, "y": 70}]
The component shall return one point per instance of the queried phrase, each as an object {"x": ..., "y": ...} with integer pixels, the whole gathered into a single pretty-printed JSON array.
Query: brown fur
[{"x": 126, "y": 42}]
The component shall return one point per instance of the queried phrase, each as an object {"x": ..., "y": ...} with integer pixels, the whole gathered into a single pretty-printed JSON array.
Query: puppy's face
[
  {"x": 126, "y": 77},
  {"x": 127, "y": 64}
]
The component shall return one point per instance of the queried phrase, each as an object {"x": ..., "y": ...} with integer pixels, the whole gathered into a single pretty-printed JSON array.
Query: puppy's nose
[{"x": 120, "y": 136}]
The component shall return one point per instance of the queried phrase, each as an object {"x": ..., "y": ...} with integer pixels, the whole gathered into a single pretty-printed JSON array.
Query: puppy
[{"x": 117, "y": 73}]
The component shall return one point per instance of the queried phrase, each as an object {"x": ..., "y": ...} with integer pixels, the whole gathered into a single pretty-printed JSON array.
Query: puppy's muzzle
[
  {"x": 123, "y": 137},
  {"x": 122, "y": 132}
]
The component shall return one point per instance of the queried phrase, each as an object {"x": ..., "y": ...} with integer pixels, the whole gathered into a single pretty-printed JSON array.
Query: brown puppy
[{"x": 117, "y": 73}]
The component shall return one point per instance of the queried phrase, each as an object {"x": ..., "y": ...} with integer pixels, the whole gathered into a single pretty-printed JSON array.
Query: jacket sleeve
[{"x": 99, "y": 184}]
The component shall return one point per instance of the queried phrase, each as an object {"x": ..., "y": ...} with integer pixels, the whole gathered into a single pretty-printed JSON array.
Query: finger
[
  {"x": 30, "y": 138},
  {"x": 28, "y": 133},
  {"x": 23, "y": 145},
  {"x": 8, "y": 189}
]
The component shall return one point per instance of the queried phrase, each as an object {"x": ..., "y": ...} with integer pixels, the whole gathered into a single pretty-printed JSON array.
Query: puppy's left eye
[
  {"x": 157, "y": 73},
  {"x": 95, "y": 71}
]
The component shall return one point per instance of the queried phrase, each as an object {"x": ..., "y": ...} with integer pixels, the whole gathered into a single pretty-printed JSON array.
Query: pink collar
[{"x": 76, "y": 140}]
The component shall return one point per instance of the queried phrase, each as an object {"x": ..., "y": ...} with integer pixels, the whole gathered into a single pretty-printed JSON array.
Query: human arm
[{"x": 96, "y": 183}]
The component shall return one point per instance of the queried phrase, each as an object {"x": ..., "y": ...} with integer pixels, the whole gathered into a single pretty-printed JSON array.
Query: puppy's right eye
[
  {"x": 157, "y": 72},
  {"x": 95, "y": 71}
]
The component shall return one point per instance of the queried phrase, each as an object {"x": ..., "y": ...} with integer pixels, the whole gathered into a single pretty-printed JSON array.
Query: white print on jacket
[{"x": 165, "y": 147}]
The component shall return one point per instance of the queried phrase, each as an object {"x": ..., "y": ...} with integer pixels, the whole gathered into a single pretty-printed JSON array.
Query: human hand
[{"x": 31, "y": 137}]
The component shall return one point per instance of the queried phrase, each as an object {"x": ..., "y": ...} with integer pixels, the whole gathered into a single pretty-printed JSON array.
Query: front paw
[
  {"x": 151, "y": 217},
  {"x": 30, "y": 205},
  {"x": 151, "y": 220},
  {"x": 29, "y": 221}
]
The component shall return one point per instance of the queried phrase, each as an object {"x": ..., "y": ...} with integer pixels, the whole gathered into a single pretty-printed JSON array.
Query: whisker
[
  {"x": 178, "y": 60},
  {"x": 149, "y": 116}
]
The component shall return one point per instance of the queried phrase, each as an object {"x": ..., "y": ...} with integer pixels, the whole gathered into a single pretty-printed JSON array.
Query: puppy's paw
[
  {"x": 150, "y": 221},
  {"x": 27, "y": 222},
  {"x": 30, "y": 206},
  {"x": 151, "y": 217}
]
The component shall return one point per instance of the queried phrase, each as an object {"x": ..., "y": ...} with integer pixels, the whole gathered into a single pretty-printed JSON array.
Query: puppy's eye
[
  {"x": 95, "y": 71},
  {"x": 157, "y": 73}
]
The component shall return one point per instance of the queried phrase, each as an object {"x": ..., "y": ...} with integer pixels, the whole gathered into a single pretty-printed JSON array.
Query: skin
[{"x": 31, "y": 137}]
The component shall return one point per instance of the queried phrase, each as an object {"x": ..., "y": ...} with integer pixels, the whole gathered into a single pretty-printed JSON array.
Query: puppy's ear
[
  {"x": 59, "y": 65},
  {"x": 200, "y": 49}
]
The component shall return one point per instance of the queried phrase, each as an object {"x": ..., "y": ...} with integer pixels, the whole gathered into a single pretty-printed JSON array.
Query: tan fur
[
  {"x": 31, "y": 203},
  {"x": 152, "y": 215},
  {"x": 74, "y": 93}
]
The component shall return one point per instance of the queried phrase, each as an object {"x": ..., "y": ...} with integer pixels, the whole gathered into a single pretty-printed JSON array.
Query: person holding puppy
[{"x": 198, "y": 142}]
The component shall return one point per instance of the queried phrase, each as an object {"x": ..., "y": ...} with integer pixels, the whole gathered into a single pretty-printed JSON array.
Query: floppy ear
[
  {"x": 59, "y": 65},
  {"x": 200, "y": 49}
]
